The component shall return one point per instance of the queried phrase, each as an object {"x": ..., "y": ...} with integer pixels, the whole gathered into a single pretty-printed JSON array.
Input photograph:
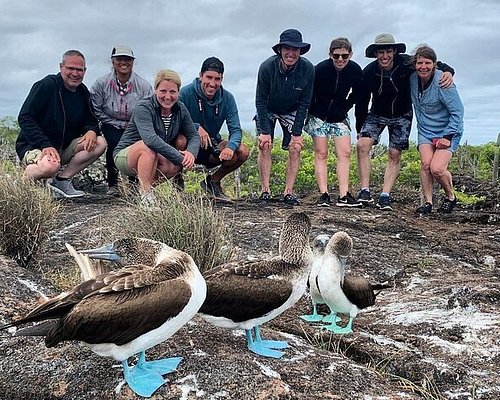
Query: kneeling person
[{"x": 210, "y": 105}]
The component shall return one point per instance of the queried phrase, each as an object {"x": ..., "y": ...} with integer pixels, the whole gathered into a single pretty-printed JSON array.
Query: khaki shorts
[
  {"x": 33, "y": 156},
  {"x": 122, "y": 163}
]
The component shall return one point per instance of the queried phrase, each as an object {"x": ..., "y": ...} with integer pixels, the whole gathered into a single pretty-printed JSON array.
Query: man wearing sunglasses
[
  {"x": 59, "y": 128},
  {"x": 386, "y": 82},
  {"x": 336, "y": 84}
]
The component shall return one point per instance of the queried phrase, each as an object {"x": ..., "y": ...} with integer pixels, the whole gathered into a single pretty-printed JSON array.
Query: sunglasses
[{"x": 337, "y": 56}]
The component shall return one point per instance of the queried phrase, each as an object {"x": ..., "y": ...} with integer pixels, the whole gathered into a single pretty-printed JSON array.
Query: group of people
[{"x": 154, "y": 133}]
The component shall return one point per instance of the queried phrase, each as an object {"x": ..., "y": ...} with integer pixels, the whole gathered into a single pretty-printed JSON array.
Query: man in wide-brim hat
[
  {"x": 386, "y": 82},
  {"x": 284, "y": 91}
]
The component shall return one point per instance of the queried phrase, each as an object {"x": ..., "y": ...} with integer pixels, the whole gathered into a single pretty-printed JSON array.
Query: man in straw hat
[
  {"x": 386, "y": 82},
  {"x": 284, "y": 91}
]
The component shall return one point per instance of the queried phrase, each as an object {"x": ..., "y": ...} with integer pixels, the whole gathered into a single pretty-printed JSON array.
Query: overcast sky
[{"x": 180, "y": 34}]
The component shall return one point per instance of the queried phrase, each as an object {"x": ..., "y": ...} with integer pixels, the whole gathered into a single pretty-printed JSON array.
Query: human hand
[
  {"x": 226, "y": 154},
  {"x": 89, "y": 140},
  {"x": 188, "y": 160},
  {"x": 204, "y": 138},
  {"x": 297, "y": 142},
  {"x": 265, "y": 141},
  {"x": 51, "y": 153},
  {"x": 442, "y": 143},
  {"x": 446, "y": 80}
]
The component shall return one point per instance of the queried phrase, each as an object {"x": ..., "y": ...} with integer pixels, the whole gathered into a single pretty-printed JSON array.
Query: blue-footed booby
[
  {"x": 126, "y": 311},
  {"x": 346, "y": 294},
  {"x": 244, "y": 295}
]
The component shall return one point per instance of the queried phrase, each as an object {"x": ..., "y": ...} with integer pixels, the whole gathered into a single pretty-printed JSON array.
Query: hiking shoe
[
  {"x": 324, "y": 200},
  {"x": 348, "y": 201},
  {"x": 384, "y": 203},
  {"x": 365, "y": 197},
  {"x": 113, "y": 191},
  {"x": 178, "y": 182},
  {"x": 447, "y": 206},
  {"x": 214, "y": 189},
  {"x": 424, "y": 209},
  {"x": 265, "y": 196},
  {"x": 65, "y": 188},
  {"x": 148, "y": 199},
  {"x": 290, "y": 200}
]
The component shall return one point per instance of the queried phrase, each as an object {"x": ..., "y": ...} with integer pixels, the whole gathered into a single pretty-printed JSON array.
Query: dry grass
[
  {"x": 185, "y": 222},
  {"x": 27, "y": 214}
]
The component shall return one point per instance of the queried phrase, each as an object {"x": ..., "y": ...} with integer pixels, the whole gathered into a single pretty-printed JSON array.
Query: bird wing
[
  {"x": 121, "y": 316},
  {"x": 242, "y": 291},
  {"x": 358, "y": 290}
]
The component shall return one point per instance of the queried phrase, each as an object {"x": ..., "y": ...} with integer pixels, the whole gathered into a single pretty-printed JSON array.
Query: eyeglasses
[
  {"x": 344, "y": 56},
  {"x": 75, "y": 69}
]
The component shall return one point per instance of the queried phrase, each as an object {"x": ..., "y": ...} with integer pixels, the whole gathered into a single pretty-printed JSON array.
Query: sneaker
[
  {"x": 447, "y": 206},
  {"x": 214, "y": 189},
  {"x": 364, "y": 197},
  {"x": 348, "y": 201},
  {"x": 148, "y": 199},
  {"x": 113, "y": 191},
  {"x": 65, "y": 188},
  {"x": 384, "y": 203},
  {"x": 324, "y": 200},
  {"x": 265, "y": 196},
  {"x": 424, "y": 209},
  {"x": 178, "y": 182},
  {"x": 290, "y": 200}
]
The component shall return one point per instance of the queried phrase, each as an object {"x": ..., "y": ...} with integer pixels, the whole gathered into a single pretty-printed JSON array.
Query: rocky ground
[{"x": 435, "y": 335}]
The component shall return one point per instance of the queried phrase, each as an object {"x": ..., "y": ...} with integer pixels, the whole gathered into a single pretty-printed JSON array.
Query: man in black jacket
[
  {"x": 386, "y": 82},
  {"x": 59, "y": 128}
]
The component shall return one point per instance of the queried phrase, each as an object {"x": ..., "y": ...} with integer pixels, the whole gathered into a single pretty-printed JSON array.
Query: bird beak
[{"x": 106, "y": 252}]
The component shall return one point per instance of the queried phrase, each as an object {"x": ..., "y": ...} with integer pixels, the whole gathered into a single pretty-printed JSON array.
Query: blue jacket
[
  {"x": 42, "y": 118},
  {"x": 146, "y": 125},
  {"x": 281, "y": 93},
  {"x": 211, "y": 114},
  {"x": 439, "y": 112}
]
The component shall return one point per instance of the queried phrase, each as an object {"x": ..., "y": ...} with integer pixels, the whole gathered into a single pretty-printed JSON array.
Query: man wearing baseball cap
[
  {"x": 284, "y": 90},
  {"x": 386, "y": 82},
  {"x": 210, "y": 105}
]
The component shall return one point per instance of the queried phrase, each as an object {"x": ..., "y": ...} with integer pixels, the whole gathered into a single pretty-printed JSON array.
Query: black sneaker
[
  {"x": 265, "y": 196},
  {"x": 290, "y": 200},
  {"x": 447, "y": 206},
  {"x": 365, "y": 197},
  {"x": 214, "y": 189},
  {"x": 384, "y": 203},
  {"x": 424, "y": 209},
  {"x": 348, "y": 201},
  {"x": 324, "y": 200}
]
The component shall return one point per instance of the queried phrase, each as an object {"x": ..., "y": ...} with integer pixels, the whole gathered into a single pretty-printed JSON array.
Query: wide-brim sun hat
[
  {"x": 382, "y": 41},
  {"x": 292, "y": 38},
  {"x": 123, "y": 51}
]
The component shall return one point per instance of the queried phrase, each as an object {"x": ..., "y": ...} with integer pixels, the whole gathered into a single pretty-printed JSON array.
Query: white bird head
[
  {"x": 319, "y": 243},
  {"x": 340, "y": 245}
]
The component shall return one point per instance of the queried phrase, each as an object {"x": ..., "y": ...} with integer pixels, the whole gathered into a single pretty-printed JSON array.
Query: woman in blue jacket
[{"x": 439, "y": 114}]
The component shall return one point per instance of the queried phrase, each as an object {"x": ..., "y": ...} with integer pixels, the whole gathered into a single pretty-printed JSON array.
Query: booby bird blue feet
[
  {"x": 146, "y": 376},
  {"x": 314, "y": 317},
  {"x": 331, "y": 318},
  {"x": 333, "y": 327},
  {"x": 264, "y": 347},
  {"x": 164, "y": 366}
]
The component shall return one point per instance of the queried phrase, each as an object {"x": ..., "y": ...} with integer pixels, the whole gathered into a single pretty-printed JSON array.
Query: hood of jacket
[{"x": 215, "y": 101}]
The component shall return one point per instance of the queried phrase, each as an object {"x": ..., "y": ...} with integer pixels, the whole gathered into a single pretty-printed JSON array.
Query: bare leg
[
  {"x": 426, "y": 179},
  {"x": 343, "y": 152},
  {"x": 82, "y": 158},
  {"x": 320, "y": 163},
  {"x": 392, "y": 170},
  {"x": 363, "y": 148},
  {"x": 264, "y": 163},
  {"x": 292, "y": 166},
  {"x": 439, "y": 169}
]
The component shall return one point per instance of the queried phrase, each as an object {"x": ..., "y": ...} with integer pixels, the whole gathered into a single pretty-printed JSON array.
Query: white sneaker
[
  {"x": 148, "y": 199},
  {"x": 65, "y": 188}
]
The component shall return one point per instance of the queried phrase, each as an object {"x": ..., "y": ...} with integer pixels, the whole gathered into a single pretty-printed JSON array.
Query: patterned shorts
[
  {"x": 319, "y": 128},
  {"x": 286, "y": 122},
  {"x": 399, "y": 129}
]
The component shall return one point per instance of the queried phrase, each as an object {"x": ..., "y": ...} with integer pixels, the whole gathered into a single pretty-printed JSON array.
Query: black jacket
[
  {"x": 390, "y": 92},
  {"x": 42, "y": 118},
  {"x": 331, "y": 99}
]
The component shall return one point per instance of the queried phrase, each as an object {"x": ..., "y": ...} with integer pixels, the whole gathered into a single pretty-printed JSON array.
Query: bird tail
[
  {"x": 378, "y": 287},
  {"x": 41, "y": 329}
]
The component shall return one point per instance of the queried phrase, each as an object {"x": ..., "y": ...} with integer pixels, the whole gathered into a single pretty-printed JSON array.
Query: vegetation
[{"x": 27, "y": 214}]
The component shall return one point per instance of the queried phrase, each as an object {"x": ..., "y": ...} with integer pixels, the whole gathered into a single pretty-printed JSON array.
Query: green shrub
[
  {"x": 186, "y": 222},
  {"x": 27, "y": 214}
]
